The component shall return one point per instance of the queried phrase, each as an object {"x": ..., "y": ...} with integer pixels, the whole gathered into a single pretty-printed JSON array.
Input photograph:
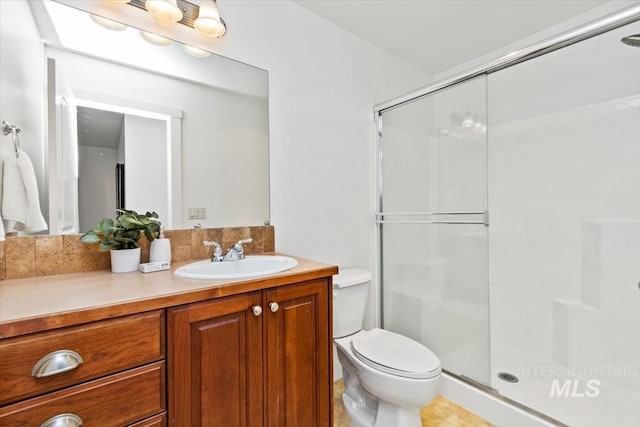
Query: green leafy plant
[{"x": 123, "y": 232}]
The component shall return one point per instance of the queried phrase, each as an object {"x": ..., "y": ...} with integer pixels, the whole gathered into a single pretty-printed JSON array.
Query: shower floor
[{"x": 439, "y": 413}]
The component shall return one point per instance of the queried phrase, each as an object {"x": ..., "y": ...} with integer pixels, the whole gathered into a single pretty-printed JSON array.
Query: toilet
[{"x": 387, "y": 377}]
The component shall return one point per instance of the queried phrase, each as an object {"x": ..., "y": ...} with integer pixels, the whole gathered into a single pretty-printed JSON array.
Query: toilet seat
[{"x": 395, "y": 354}]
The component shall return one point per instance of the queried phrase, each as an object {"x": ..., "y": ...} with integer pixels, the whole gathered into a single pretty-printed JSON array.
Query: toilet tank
[{"x": 350, "y": 293}]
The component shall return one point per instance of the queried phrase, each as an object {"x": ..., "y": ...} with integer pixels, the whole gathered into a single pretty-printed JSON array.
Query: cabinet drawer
[
  {"x": 105, "y": 347},
  {"x": 159, "y": 420},
  {"x": 117, "y": 400}
]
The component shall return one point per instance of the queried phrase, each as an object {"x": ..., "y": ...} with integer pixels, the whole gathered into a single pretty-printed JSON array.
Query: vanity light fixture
[
  {"x": 194, "y": 51},
  {"x": 108, "y": 23},
  {"x": 164, "y": 10},
  {"x": 205, "y": 19},
  {"x": 209, "y": 22},
  {"x": 155, "y": 39}
]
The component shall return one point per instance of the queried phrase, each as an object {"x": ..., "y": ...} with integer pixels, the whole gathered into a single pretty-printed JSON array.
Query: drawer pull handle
[
  {"x": 257, "y": 310},
  {"x": 56, "y": 363},
  {"x": 63, "y": 420},
  {"x": 273, "y": 306}
]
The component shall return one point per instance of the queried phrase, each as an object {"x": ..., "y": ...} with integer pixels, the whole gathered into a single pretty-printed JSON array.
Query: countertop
[{"x": 50, "y": 302}]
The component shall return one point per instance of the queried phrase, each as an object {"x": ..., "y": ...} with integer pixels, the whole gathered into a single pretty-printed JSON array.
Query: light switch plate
[{"x": 197, "y": 213}]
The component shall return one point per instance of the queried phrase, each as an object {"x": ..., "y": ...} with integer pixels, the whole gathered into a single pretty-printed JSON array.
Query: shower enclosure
[{"x": 509, "y": 227}]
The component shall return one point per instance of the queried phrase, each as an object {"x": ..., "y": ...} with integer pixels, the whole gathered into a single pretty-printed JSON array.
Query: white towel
[{"x": 20, "y": 198}]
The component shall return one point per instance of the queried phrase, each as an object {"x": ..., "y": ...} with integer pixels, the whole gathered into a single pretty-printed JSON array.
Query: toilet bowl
[{"x": 387, "y": 377}]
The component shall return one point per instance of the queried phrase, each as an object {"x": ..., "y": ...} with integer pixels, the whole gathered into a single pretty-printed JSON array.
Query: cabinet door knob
[
  {"x": 273, "y": 306},
  {"x": 63, "y": 420},
  {"x": 56, "y": 363},
  {"x": 257, "y": 310}
]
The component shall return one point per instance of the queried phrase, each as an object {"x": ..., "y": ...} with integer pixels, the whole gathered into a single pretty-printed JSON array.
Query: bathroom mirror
[{"x": 192, "y": 132}]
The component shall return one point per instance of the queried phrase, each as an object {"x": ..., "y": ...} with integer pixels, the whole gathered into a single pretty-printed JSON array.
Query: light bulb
[
  {"x": 108, "y": 23},
  {"x": 120, "y": 1},
  {"x": 155, "y": 39},
  {"x": 164, "y": 10},
  {"x": 209, "y": 22},
  {"x": 194, "y": 51}
]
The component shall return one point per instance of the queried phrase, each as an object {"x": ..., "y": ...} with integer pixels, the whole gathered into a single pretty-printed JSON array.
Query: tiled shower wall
[{"x": 33, "y": 256}]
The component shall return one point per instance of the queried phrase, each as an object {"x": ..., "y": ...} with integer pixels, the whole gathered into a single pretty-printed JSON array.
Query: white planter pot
[{"x": 125, "y": 260}]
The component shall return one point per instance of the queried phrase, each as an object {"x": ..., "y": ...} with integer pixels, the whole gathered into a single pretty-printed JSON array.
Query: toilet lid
[{"x": 395, "y": 354}]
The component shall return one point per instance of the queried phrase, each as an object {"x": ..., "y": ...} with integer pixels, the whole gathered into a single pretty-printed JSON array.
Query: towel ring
[{"x": 14, "y": 131}]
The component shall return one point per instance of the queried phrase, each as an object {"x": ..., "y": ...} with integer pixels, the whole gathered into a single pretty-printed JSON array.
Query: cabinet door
[
  {"x": 298, "y": 355},
  {"x": 215, "y": 363}
]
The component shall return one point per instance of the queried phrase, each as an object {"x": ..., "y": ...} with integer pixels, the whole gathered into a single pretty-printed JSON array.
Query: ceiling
[
  {"x": 437, "y": 35},
  {"x": 99, "y": 128}
]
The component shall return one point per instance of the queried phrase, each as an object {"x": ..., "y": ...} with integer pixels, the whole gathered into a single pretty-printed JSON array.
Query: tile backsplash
[{"x": 34, "y": 256}]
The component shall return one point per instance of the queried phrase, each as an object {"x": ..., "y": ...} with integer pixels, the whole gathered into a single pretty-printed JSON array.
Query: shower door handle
[{"x": 407, "y": 218}]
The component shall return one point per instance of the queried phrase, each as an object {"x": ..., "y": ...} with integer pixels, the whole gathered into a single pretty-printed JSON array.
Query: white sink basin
[{"x": 251, "y": 266}]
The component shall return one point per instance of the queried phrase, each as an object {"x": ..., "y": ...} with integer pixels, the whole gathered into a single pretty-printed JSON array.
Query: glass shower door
[
  {"x": 564, "y": 193},
  {"x": 432, "y": 219}
]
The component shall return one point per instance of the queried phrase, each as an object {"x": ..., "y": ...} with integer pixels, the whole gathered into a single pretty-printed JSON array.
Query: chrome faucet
[
  {"x": 236, "y": 252},
  {"x": 216, "y": 255}
]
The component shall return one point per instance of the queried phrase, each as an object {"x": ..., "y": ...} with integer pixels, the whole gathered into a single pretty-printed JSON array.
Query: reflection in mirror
[
  {"x": 192, "y": 133},
  {"x": 100, "y": 158},
  {"x": 109, "y": 143}
]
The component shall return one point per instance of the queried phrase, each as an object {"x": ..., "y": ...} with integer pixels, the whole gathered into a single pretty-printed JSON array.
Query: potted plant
[{"x": 121, "y": 237}]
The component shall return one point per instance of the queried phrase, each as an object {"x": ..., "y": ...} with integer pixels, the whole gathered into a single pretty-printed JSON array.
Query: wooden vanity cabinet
[
  {"x": 250, "y": 353},
  {"x": 261, "y": 358}
]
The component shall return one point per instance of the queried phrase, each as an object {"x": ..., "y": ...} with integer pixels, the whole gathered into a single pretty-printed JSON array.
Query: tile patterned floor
[{"x": 439, "y": 413}]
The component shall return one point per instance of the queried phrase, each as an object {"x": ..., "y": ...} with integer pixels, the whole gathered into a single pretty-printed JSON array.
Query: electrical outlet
[{"x": 197, "y": 213}]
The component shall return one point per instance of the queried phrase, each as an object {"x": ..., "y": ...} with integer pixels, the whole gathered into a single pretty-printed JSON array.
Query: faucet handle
[
  {"x": 236, "y": 251},
  {"x": 217, "y": 250},
  {"x": 240, "y": 248}
]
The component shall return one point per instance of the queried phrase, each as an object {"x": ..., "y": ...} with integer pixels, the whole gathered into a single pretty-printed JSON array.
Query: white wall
[{"x": 22, "y": 86}]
